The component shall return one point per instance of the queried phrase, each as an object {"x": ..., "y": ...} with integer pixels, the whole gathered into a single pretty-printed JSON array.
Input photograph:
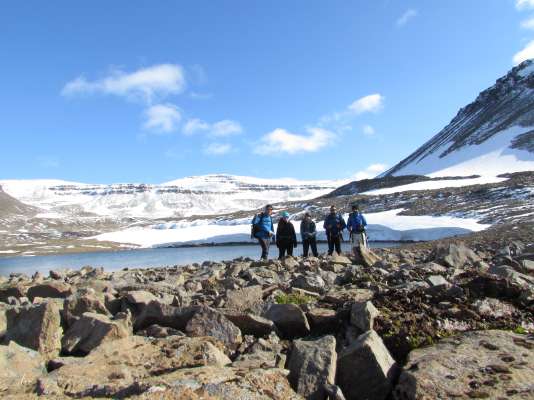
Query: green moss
[
  {"x": 520, "y": 330},
  {"x": 293, "y": 298}
]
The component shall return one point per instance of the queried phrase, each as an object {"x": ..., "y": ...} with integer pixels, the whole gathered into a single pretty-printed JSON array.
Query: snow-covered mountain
[
  {"x": 492, "y": 135},
  {"x": 198, "y": 195}
]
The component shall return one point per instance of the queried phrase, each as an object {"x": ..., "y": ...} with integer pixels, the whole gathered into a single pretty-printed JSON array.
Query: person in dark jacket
[
  {"x": 263, "y": 230},
  {"x": 308, "y": 232},
  {"x": 286, "y": 239},
  {"x": 356, "y": 226},
  {"x": 334, "y": 225}
]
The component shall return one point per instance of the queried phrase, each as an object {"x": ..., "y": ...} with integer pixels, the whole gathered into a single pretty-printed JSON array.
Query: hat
[
  {"x": 355, "y": 206},
  {"x": 284, "y": 214},
  {"x": 268, "y": 206}
]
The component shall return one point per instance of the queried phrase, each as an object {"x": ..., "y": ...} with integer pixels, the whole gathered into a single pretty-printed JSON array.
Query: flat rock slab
[
  {"x": 117, "y": 369},
  {"x": 250, "y": 324},
  {"x": 480, "y": 364},
  {"x": 246, "y": 299},
  {"x": 20, "y": 368},
  {"x": 54, "y": 289},
  {"x": 312, "y": 365}
]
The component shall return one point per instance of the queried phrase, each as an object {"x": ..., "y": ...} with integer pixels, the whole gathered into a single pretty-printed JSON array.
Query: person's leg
[
  {"x": 330, "y": 245},
  {"x": 264, "y": 243},
  {"x": 338, "y": 245},
  {"x": 305, "y": 247},
  {"x": 281, "y": 251},
  {"x": 290, "y": 249},
  {"x": 313, "y": 244}
]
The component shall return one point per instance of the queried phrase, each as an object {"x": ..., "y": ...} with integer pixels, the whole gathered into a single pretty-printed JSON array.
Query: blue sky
[{"x": 145, "y": 91}]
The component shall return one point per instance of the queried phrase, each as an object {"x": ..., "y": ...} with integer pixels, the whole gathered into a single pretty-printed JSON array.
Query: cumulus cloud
[
  {"x": 406, "y": 17},
  {"x": 222, "y": 128},
  {"x": 526, "y": 54},
  {"x": 368, "y": 130},
  {"x": 524, "y": 4},
  {"x": 162, "y": 118},
  {"x": 218, "y": 149},
  {"x": 371, "y": 103},
  {"x": 528, "y": 24},
  {"x": 370, "y": 172},
  {"x": 281, "y": 141},
  {"x": 146, "y": 83}
]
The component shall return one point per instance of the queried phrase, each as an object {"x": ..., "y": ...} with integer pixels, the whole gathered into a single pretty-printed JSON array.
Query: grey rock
[
  {"x": 246, "y": 299},
  {"x": 454, "y": 255},
  {"x": 289, "y": 320},
  {"x": 75, "y": 305},
  {"x": 477, "y": 364},
  {"x": 54, "y": 289},
  {"x": 365, "y": 369},
  {"x": 362, "y": 315},
  {"x": 250, "y": 324},
  {"x": 20, "y": 368},
  {"x": 312, "y": 365},
  {"x": 310, "y": 282},
  {"x": 209, "y": 322},
  {"x": 162, "y": 314}
]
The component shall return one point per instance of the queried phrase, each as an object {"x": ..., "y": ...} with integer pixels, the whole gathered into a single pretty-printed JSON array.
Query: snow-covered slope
[
  {"x": 199, "y": 195},
  {"x": 492, "y": 135}
]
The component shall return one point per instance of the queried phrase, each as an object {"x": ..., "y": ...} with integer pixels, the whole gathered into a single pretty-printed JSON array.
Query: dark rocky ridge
[{"x": 508, "y": 103}]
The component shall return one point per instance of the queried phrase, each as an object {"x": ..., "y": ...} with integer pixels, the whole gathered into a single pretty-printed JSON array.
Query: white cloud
[
  {"x": 368, "y": 130},
  {"x": 524, "y": 4},
  {"x": 147, "y": 83},
  {"x": 370, "y": 172},
  {"x": 525, "y": 54},
  {"x": 406, "y": 17},
  {"x": 195, "y": 125},
  {"x": 162, "y": 118},
  {"x": 218, "y": 149},
  {"x": 370, "y": 103},
  {"x": 222, "y": 128},
  {"x": 226, "y": 128},
  {"x": 528, "y": 24},
  {"x": 281, "y": 141}
]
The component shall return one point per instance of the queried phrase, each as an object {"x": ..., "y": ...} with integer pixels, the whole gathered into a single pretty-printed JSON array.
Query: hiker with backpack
[
  {"x": 263, "y": 230},
  {"x": 356, "y": 226},
  {"x": 334, "y": 225},
  {"x": 308, "y": 232},
  {"x": 286, "y": 239}
]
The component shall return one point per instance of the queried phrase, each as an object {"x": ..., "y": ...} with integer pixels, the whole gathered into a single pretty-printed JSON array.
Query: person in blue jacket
[
  {"x": 334, "y": 225},
  {"x": 356, "y": 226},
  {"x": 263, "y": 230}
]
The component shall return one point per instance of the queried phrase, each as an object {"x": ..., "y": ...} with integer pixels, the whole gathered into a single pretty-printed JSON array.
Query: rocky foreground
[{"x": 435, "y": 321}]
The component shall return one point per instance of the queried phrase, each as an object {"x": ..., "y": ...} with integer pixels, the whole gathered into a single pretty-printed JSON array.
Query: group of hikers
[{"x": 285, "y": 236}]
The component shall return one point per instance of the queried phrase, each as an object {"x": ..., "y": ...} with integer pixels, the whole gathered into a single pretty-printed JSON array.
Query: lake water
[{"x": 143, "y": 258}]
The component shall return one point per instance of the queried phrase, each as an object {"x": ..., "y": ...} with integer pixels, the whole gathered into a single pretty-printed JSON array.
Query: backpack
[
  {"x": 255, "y": 228},
  {"x": 360, "y": 228}
]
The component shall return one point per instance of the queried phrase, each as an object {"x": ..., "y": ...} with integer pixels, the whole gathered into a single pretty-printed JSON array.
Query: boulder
[
  {"x": 250, "y": 324},
  {"x": 91, "y": 330},
  {"x": 312, "y": 365},
  {"x": 454, "y": 255},
  {"x": 20, "y": 368},
  {"x": 478, "y": 364},
  {"x": 16, "y": 291},
  {"x": 209, "y": 322},
  {"x": 37, "y": 327},
  {"x": 362, "y": 315},
  {"x": 340, "y": 259},
  {"x": 77, "y": 304},
  {"x": 311, "y": 282},
  {"x": 366, "y": 256},
  {"x": 54, "y": 289},
  {"x": 126, "y": 366},
  {"x": 162, "y": 314},
  {"x": 160, "y": 331},
  {"x": 365, "y": 369},
  {"x": 137, "y": 297},
  {"x": 289, "y": 320},
  {"x": 493, "y": 308},
  {"x": 323, "y": 320},
  {"x": 249, "y": 298}
]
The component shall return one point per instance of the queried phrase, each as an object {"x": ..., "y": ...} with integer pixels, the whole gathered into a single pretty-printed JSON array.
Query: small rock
[
  {"x": 289, "y": 319},
  {"x": 362, "y": 315},
  {"x": 209, "y": 322}
]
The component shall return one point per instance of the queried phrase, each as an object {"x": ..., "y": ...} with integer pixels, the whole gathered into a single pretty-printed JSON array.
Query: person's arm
[{"x": 294, "y": 235}]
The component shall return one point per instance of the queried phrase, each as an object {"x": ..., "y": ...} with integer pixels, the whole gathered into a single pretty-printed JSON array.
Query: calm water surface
[{"x": 144, "y": 258}]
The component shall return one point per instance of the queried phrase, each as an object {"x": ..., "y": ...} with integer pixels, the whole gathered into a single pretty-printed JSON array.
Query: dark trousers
[
  {"x": 284, "y": 247},
  {"x": 334, "y": 241},
  {"x": 306, "y": 244},
  {"x": 264, "y": 243}
]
